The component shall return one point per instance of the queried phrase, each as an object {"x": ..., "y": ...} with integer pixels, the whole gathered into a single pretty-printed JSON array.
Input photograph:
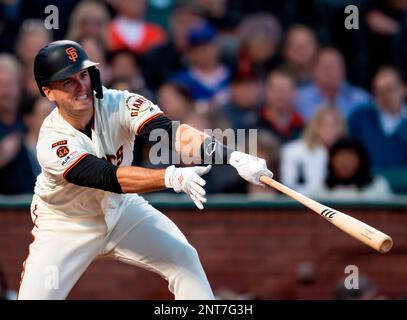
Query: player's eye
[{"x": 84, "y": 75}]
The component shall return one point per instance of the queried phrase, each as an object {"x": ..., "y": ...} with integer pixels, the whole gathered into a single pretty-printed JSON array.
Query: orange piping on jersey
[
  {"x": 25, "y": 261},
  {"x": 36, "y": 216},
  {"x": 148, "y": 120},
  {"x": 74, "y": 164}
]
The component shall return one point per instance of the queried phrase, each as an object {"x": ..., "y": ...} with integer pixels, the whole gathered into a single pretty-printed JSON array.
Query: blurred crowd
[{"x": 328, "y": 103}]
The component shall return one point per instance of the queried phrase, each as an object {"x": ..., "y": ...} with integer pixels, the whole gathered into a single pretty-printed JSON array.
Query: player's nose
[{"x": 80, "y": 85}]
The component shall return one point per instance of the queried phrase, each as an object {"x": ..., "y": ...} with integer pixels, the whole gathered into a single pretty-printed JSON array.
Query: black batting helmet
[{"x": 61, "y": 59}]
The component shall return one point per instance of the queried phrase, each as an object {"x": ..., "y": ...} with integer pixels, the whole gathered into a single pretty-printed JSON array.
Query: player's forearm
[
  {"x": 140, "y": 180},
  {"x": 93, "y": 172},
  {"x": 200, "y": 147},
  {"x": 188, "y": 141}
]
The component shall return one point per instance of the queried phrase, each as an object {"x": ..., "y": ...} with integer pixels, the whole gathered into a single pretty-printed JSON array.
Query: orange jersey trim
[
  {"x": 36, "y": 216},
  {"x": 148, "y": 120},
  {"x": 74, "y": 164}
]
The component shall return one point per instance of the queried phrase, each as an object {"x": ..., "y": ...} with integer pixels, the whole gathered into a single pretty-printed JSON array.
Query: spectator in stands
[
  {"x": 206, "y": 77},
  {"x": 208, "y": 119},
  {"x": 268, "y": 147},
  {"x": 219, "y": 14},
  {"x": 33, "y": 116},
  {"x": 299, "y": 52},
  {"x": 32, "y": 36},
  {"x": 260, "y": 35},
  {"x": 304, "y": 161},
  {"x": 385, "y": 25},
  {"x": 130, "y": 30},
  {"x": 58, "y": 20},
  {"x": 16, "y": 175},
  {"x": 124, "y": 65},
  {"x": 225, "y": 20},
  {"x": 159, "y": 12},
  {"x": 160, "y": 63},
  {"x": 245, "y": 99},
  {"x": 121, "y": 84},
  {"x": 176, "y": 101},
  {"x": 349, "y": 175},
  {"x": 9, "y": 25},
  {"x": 329, "y": 87},
  {"x": 382, "y": 125},
  {"x": 97, "y": 51},
  {"x": 278, "y": 114},
  {"x": 89, "y": 19}
]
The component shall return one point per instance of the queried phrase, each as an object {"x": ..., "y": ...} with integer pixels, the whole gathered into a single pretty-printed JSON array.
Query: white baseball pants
[{"x": 64, "y": 247}]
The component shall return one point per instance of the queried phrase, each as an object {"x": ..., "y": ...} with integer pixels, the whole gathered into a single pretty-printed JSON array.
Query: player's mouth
[{"x": 82, "y": 98}]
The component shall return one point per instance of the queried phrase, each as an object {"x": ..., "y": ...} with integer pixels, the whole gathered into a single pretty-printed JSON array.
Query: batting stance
[{"x": 86, "y": 203}]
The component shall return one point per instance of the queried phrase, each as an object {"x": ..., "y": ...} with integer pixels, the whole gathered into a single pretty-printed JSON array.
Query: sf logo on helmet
[{"x": 72, "y": 54}]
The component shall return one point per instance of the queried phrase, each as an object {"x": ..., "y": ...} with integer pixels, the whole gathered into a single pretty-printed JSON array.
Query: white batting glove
[
  {"x": 188, "y": 180},
  {"x": 249, "y": 167}
]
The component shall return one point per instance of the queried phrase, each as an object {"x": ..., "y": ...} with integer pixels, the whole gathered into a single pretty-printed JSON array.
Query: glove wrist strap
[{"x": 169, "y": 172}]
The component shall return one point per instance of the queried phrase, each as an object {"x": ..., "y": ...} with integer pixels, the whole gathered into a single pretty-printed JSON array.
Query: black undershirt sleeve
[
  {"x": 212, "y": 151},
  {"x": 161, "y": 122},
  {"x": 93, "y": 172}
]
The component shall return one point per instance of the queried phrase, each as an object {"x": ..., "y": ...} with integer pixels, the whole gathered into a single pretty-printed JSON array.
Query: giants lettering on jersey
[
  {"x": 137, "y": 105},
  {"x": 118, "y": 157}
]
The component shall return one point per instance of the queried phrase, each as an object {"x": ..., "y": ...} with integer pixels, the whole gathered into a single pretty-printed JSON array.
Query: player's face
[{"x": 73, "y": 94}]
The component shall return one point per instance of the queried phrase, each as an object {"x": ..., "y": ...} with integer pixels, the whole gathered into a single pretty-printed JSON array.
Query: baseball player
[{"x": 86, "y": 203}]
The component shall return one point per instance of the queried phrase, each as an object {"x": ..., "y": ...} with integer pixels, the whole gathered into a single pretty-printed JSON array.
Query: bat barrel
[
  {"x": 359, "y": 230},
  {"x": 354, "y": 227}
]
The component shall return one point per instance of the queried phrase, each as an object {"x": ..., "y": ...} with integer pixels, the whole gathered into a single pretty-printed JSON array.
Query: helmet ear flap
[{"x": 94, "y": 75}]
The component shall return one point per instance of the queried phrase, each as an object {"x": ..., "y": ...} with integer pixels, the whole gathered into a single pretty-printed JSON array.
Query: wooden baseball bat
[{"x": 354, "y": 227}]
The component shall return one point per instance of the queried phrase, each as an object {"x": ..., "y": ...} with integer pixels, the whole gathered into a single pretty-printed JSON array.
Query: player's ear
[{"x": 48, "y": 93}]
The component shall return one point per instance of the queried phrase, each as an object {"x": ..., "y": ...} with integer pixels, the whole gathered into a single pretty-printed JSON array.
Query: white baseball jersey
[
  {"x": 74, "y": 225},
  {"x": 119, "y": 116}
]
